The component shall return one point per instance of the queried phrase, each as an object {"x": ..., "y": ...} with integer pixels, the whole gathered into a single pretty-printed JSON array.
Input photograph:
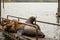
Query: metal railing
[{"x": 36, "y": 20}]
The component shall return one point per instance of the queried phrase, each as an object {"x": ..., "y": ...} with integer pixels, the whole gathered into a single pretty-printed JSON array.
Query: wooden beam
[{"x": 0, "y": 10}]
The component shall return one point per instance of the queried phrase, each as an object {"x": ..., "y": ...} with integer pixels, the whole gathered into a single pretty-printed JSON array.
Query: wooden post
[
  {"x": 58, "y": 6},
  {"x": 58, "y": 13},
  {"x": 3, "y": 3},
  {"x": 0, "y": 10},
  {"x": 18, "y": 19}
]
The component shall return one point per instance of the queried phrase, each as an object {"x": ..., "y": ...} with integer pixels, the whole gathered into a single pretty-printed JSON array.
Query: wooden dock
[{"x": 23, "y": 37}]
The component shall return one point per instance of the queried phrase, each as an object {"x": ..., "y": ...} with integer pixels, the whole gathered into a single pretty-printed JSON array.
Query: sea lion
[{"x": 30, "y": 30}]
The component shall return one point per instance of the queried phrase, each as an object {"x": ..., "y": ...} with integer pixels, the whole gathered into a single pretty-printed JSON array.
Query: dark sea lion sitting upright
[{"x": 32, "y": 20}]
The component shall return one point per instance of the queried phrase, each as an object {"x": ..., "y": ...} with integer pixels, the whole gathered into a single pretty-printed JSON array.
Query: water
[{"x": 43, "y": 11}]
